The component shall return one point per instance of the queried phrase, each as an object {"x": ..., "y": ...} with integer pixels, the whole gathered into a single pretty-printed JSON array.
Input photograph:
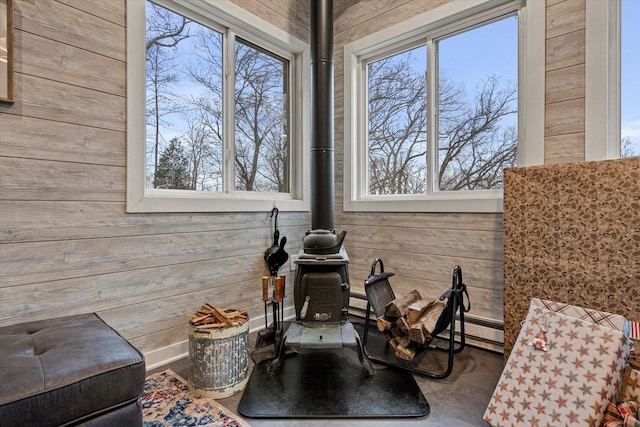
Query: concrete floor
[{"x": 458, "y": 401}]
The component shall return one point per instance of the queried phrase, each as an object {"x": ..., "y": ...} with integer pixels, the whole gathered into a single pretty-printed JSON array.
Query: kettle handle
[{"x": 276, "y": 233}]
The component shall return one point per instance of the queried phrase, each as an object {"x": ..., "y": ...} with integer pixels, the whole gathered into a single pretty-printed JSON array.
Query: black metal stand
[{"x": 379, "y": 293}]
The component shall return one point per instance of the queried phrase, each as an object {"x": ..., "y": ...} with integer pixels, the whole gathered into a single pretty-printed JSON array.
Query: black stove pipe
[{"x": 322, "y": 190}]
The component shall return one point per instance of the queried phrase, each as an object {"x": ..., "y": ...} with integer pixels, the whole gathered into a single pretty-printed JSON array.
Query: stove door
[{"x": 324, "y": 290}]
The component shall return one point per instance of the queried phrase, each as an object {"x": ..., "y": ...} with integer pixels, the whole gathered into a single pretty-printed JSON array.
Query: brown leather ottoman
[{"x": 70, "y": 370}]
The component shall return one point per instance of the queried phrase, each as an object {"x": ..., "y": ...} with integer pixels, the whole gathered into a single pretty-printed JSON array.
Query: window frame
[
  {"x": 602, "y": 95},
  {"x": 448, "y": 18},
  {"x": 241, "y": 23}
]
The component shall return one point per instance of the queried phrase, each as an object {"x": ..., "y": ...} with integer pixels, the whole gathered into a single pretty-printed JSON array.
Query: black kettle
[{"x": 323, "y": 242}]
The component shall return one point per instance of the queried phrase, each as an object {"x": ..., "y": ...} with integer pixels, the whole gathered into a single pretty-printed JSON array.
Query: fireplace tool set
[
  {"x": 273, "y": 287},
  {"x": 273, "y": 292}
]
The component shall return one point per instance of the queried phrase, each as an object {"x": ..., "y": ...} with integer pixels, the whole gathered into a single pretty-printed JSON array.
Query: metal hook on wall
[{"x": 275, "y": 210}]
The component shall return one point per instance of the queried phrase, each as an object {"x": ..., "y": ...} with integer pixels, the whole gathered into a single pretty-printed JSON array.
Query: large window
[
  {"x": 438, "y": 110},
  {"x": 629, "y": 81},
  {"x": 612, "y": 116},
  {"x": 222, "y": 131}
]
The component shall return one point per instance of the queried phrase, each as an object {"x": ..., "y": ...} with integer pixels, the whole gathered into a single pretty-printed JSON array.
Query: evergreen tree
[{"x": 173, "y": 168}]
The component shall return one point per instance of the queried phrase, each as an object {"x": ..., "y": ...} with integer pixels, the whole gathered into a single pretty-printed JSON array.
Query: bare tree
[
  {"x": 261, "y": 146},
  {"x": 164, "y": 30},
  {"x": 204, "y": 149},
  {"x": 474, "y": 146},
  {"x": 397, "y": 129},
  {"x": 160, "y": 101},
  {"x": 474, "y": 143},
  {"x": 626, "y": 148},
  {"x": 197, "y": 115}
]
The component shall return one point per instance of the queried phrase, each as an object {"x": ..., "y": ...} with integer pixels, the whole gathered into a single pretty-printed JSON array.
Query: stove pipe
[{"x": 322, "y": 191}]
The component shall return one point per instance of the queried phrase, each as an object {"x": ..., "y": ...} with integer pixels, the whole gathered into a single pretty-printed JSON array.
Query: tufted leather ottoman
[{"x": 69, "y": 370}]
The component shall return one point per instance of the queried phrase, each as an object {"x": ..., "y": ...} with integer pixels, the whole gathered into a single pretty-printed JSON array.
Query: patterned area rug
[{"x": 166, "y": 402}]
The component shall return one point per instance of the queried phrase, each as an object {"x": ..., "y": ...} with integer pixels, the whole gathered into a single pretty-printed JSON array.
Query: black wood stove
[{"x": 321, "y": 286}]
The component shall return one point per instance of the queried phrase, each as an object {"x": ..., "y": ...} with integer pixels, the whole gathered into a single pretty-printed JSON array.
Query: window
[
  {"x": 629, "y": 82},
  {"x": 612, "y": 116},
  {"x": 222, "y": 131},
  {"x": 434, "y": 110}
]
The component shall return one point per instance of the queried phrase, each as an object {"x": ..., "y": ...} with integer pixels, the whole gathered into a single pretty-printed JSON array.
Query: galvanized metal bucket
[{"x": 218, "y": 360}]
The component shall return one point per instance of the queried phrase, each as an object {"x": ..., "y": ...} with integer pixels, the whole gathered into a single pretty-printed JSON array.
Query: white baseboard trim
[
  {"x": 165, "y": 355},
  {"x": 180, "y": 350}
]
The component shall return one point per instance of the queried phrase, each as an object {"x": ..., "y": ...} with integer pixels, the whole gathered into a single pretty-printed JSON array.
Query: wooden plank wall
[
  {"x": 66, "y": 244},
  {"x": 421, "y": 248},
  {"x": 565, "y": 81}
]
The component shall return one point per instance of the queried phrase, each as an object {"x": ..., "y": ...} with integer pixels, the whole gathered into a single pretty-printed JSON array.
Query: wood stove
[
  {"x": 321, "y": 297},
  {"x": 321, "y": 286}
]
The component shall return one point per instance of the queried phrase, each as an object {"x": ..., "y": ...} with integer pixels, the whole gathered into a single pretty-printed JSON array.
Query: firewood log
[
  {"x": 420, "y": 331},
  {"x": 211, "y": 325},
  {"x": 383, "y": 324},
  {"x": 398, "y": 307},
  {"x": 393, "y": 343},
  {"x": 404, "y": 341},
  {"x": 402, "y": 325},
  {"x": 416, "y": 309},
  {"x": 396, "y": 332},
  {"x": 404, "y": 353},
  {"x": 209, "y": 316}
]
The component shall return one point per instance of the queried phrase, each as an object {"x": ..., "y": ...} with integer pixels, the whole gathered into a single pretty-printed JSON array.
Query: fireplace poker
[
  {"x": 274, "y": 305},
  {"x": 280, "y": 294},
  {"x": 265, "y": 298}
]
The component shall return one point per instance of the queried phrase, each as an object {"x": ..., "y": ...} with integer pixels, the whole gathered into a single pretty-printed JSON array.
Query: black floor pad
[{"x": 325, "y": 385}]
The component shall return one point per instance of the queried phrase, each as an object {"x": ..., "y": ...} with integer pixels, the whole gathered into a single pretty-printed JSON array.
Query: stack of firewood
[
  {"x": 209, "y": 316},
  {"x": 408, "y": 322}
]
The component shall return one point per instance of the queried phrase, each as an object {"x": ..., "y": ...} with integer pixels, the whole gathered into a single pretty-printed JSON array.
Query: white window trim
[
  {"x": 602, "y": 80},
  {"x": 252, "y": 28},
  {"x": 531, "y": 81}
]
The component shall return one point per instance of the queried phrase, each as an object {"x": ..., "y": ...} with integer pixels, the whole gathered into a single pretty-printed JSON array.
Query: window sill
[
  {"x": 179, "y": 201},
  {"x": 464, "y": 202}
]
